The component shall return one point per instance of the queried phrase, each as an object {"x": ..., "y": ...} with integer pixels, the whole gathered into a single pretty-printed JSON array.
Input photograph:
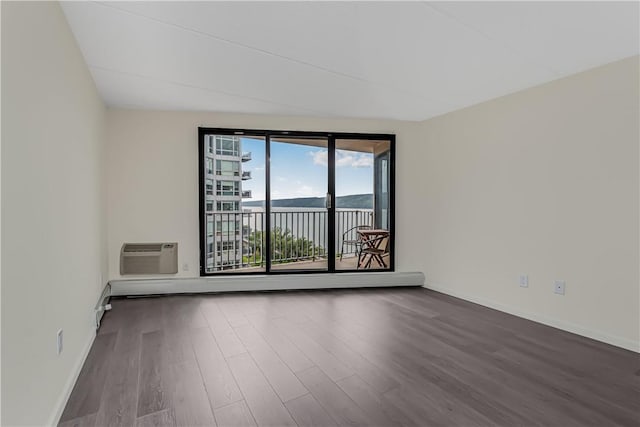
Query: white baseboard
[
  {"x": 263, "y": 283},
  {"x": 556, "y": 323},
  {"x": 71, "y": 381}
]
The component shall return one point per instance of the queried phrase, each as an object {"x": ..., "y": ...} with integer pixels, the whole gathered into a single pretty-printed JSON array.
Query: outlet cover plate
[
  {"x": 524, "y": 281},
  {"x": 559, "y": 287}
]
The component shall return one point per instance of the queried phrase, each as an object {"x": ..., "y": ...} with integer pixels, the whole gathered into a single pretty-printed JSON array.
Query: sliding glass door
[
  {"x": 299, "y": 210},
  {"x": 281, "y": 202},
  {"x": 233, "y": 203},
  {"x": 363, "y": 193}
]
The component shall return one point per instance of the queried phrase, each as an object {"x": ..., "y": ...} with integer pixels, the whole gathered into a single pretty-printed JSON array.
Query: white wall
[
  {"x": 53, "y": 228},
  {"x": 152, "y": 169},
  {"x": 542, "y": 182}
]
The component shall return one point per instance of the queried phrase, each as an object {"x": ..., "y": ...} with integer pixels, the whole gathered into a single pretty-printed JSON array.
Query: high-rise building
[{"x": 223, "y": 159}]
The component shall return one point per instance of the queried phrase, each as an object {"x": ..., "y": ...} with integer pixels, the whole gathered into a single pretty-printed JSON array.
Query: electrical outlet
[
  {"x": 59, "y": 343},
  {"x": 185, "y": 267},
  {"x": 524, "y": 281},
  {"x": 558, "y": 287}
]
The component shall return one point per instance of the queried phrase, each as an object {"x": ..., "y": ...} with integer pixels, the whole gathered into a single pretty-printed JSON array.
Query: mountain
[
  {"x": 352, "y": 201},
  {"x": 355, "y": 201}
]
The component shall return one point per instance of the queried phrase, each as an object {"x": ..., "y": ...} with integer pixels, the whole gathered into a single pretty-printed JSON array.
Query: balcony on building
[
  {"x": 246, "y": 175},
  {"x": 297, "y": 240},
  {"x": 246, "y": 194},
  {"x": 246, "y": 156}
]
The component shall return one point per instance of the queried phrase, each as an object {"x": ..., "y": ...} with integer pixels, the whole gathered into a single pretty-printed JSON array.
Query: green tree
[{"x": 284, "y": 247}]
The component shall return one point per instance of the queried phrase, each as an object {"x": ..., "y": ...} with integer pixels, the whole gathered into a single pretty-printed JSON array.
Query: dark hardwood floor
[{"x": 375, "y": 357}]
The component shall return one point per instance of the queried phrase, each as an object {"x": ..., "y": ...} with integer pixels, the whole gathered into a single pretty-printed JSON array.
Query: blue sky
[{"x": 301, "y": 171}]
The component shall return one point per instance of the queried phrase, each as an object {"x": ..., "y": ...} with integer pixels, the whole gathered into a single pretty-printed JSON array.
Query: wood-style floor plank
[
  {"x": 188, "y": 396},
  {"x": 86, "y": 421},
  {"x": 264, "y": 403},
  {"x": 219, "y": 382},
  {"x": 335, "y": 401},
  {"x": 420, "y": 410},
  {"x": 373, "y": 403},
  {"x": 231, "y": 311},
  {"x": 320, "y": 356},
  {"x": 177, "y": 346},
  {"x": 286, "y": 350},
  {"x": 154, "y": 381},
  {"x": 227, "y": 340},
  {"x": 306, "y": 411},
  {"x": 180, "y": 312},
  {"x": 351, "y": 359},
  {"x": 235, "y": 415},
  {"x": 281, "y": 378},
  {"x": 376, "y": 357},
  {"x": 86, "y": 396},
  {"x": 165, "y": 418},
  {"x": 120, "y": 397}
]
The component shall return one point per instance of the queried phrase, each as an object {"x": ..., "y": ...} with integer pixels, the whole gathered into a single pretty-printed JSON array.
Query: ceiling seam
[
  {"x": 512, "y": 50},
  {"x": 266, "y": 52},
  {"x": 190, "y": 86}
]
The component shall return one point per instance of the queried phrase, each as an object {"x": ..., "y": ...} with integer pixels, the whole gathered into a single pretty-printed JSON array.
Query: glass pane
[
  {"x": 362, "y": 204},
  {"x": 227, "y": 168},
  {"x": 298, "y": 213},
  {"x": 235, "y": 172}
]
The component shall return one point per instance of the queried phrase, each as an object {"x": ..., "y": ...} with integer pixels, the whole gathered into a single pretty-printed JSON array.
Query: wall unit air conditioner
[{"x": 149, "y": 258}]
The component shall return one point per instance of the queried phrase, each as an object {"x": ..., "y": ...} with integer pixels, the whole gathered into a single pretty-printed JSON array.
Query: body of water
[{"x": 309, "y": 223}]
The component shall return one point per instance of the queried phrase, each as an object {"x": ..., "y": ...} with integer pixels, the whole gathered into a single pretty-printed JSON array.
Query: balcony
[
  {"x": 246, "y": 156},
  {"x": 246, "y": 194},
  {"x": 246, "y": 175},
  {"x": 298, "y": 240},
  {"x": 227, "y": 173}
]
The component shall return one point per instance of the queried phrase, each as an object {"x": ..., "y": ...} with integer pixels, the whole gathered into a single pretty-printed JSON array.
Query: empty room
[{"x": 255, "y": 213}]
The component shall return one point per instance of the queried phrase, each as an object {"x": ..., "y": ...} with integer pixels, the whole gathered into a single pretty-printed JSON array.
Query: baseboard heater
[
  {"x": 138, "y": 287},
  {"x": 103, "y": 304}
]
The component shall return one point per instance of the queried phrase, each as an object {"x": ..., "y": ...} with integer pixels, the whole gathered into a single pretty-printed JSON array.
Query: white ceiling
[{"x": 396, "y": 60}]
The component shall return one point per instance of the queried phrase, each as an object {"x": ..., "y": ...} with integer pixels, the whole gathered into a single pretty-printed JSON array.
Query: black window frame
[{"x": 267, "y": 135}]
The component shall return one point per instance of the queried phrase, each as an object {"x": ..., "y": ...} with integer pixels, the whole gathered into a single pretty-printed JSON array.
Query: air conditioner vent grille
[{"x": 143, "y": 247}]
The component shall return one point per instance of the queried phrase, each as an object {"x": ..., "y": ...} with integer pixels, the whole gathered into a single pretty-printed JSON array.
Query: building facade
[{"x": 223, "y": 160}]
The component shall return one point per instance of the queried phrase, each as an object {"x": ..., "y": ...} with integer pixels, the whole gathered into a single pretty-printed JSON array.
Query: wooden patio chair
[
  {"x": 348, "y": 241},
  {"x": 375, "y": 249}
]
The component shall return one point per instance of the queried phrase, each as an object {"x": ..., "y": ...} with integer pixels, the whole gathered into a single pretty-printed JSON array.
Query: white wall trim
[
  {"x": 71, "y": 381},
  {"x": 263, "y": 283},
  {"x": 556, "y": 323}
]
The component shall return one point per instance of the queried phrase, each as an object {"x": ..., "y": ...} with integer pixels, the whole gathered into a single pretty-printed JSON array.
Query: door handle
[{"x": 328, "y": 201}]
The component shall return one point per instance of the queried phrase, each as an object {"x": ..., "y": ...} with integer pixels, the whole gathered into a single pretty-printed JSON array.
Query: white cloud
[
  {"x": 343, "y": 159},
  {"x": 320, "y": 157},
  {"x": 363, "y": 161}
]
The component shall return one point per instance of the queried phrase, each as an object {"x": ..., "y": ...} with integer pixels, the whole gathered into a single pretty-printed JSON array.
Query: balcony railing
[
  {"x": 246, "y": 156},
  {"x": 246, "y": 175},
  {"x": 246, "y": 194},
  {"x": 240, "y": 241}
]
